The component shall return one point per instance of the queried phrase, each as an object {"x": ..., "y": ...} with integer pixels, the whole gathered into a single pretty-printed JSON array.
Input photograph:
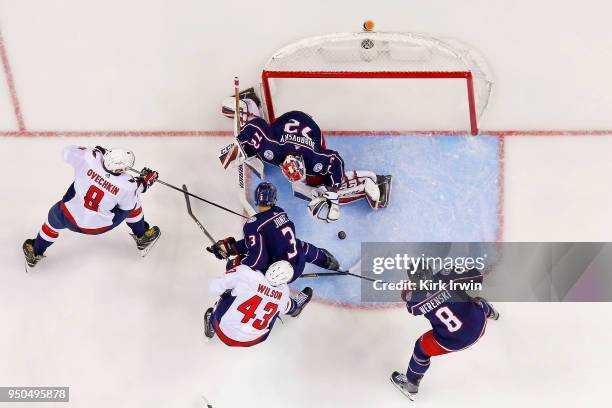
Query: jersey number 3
[
  {"x": 249, "y": 309},
  {"x": 93, "y": 197}
]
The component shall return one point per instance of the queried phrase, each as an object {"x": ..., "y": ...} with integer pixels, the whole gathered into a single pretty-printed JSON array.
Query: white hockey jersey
[
  {"x": 254, "y": 304},
  {"x": 96, "y": 192}
]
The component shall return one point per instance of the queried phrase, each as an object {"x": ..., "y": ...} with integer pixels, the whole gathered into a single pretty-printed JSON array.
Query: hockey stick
[
  {"x": 212, "y": 240},
  {"x": 241, "y": 170},
  {"x": 194, "y": 196},
  {"x": 338, "y": 273}
]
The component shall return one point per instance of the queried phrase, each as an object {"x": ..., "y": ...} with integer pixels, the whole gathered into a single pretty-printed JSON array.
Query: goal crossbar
[{"x": 467, "y": 75}]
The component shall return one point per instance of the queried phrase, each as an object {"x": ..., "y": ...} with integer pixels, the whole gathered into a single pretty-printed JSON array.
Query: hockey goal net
[{"x": 435, "y": 82}]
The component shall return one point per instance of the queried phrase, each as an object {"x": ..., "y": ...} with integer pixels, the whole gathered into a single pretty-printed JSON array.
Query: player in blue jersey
[
  {"x": 269, "y": 236},
  {"x": 457, "y": 321},
  {"x": 295, "y": 143}
]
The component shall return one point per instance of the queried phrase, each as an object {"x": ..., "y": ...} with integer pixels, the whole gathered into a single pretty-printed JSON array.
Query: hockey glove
[
  {"x": 100, "y": 149},
  {"x": 147, "y": 178},
  {"x": 325, "y": 207},
  {"x": 222, "y": 249}
]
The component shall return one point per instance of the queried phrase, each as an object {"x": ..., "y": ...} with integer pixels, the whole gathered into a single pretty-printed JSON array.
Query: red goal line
[{"x": 227, "y": 133}]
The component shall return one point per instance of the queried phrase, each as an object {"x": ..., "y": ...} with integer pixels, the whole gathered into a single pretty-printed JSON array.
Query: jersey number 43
[{"x": 249, "y": 309}]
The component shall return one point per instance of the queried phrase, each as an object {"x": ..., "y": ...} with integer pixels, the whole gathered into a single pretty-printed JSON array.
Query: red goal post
[{"x": 382, "y": 55}]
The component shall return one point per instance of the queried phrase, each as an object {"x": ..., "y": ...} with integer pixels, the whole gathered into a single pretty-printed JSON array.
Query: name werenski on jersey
[
  {"x": 435, "y": 302},
  {"x": 303, "y": 140},
  {"x": 111, "y": 188}
]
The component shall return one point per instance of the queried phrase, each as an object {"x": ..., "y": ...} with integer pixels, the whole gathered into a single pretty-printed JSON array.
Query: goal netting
[{"x": 379, "y": 80}]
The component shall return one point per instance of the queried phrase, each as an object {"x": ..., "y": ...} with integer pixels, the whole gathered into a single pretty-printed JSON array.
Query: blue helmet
[{"x": 265, "y": 194}]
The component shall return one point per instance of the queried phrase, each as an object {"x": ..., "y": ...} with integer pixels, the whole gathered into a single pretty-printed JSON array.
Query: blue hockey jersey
[
  {"x": 269, "y": 236},
  {"x": 294, "y": 132},
  {"x": 457, "y": 320}
]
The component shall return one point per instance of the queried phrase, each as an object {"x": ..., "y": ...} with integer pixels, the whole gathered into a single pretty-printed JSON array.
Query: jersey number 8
[
  {"x": 93, "y": 197},
  {"x": 449, "y": 319}
]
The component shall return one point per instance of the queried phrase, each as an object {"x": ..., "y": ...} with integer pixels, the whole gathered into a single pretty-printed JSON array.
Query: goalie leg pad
[
  {"x": 248, "y": 109},
  {"x": 372, "y": 193},
  {"x": 357, "y": 185}
]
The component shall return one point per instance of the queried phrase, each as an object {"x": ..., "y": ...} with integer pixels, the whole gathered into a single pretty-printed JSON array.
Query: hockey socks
[
  {"x": 45, "y": 238},
  {"x": 139, "y": 227},
  {"x": 419, "y": 363}
]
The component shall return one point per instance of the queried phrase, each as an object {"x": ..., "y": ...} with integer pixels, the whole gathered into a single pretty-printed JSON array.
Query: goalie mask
[
  {"x": 293, "y": 168},
  {"x": 118, "y": 160}
]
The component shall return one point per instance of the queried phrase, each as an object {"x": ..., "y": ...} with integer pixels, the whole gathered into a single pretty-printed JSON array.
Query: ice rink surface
[
  {"x": 122, "y": 331},
  {"x": 445, "y": 188}
]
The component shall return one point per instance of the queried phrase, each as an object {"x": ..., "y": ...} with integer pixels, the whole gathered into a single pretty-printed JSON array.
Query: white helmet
[
  {"x": 118, "y": 160},
  {"x": 279, "y": 272}
]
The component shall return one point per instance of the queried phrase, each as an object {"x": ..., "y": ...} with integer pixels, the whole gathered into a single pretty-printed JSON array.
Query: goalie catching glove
[{"x": 325, "y": 206}]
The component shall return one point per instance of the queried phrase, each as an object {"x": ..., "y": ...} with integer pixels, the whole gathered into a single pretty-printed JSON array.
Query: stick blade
[{"x": 187, "y": 201}]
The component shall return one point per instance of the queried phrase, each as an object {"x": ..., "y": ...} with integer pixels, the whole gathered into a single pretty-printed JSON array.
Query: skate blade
[
  {"x": 145, "y": 251},
  {"x": 27, "y": 268},
  {"x": 410, "y": 395}
]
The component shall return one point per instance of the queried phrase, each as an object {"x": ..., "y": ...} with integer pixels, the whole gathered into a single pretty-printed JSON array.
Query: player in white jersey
[
  {"x": 250, "y": 303},
  {"x": 101, "y": 197}
]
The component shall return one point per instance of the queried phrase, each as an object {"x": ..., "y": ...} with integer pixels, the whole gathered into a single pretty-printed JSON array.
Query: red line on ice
[
  {"x": 8, "y": 73},
  {"x": 340, "y": 133}
]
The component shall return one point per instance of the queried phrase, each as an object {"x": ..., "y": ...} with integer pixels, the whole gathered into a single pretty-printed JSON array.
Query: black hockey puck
[{"x": 341, "y": 234}]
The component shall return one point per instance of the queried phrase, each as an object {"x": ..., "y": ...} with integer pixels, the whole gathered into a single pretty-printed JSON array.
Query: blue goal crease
[{"x": 445, "y": 188}]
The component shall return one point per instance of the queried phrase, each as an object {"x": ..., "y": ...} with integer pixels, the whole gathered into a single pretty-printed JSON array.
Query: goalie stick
[
  {"x": 241, "y": 169},
  {"x": 190, "y": 212}
]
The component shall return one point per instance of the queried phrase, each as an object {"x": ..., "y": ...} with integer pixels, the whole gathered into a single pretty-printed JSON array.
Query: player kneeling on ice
[
  {"x": 457, "y": 321},
  {"x": 269, "y": 236},
  {"x": 101, "y": 197},
  {"x": 294, "y": 142},
  {"x": 250, "y": 303}
]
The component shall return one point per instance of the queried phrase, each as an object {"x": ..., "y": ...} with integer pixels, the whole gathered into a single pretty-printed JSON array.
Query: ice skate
[
  {"x": 146, "y": 241},
  {"x": 302, "y": 299},
  {"x": 402, "y": 383},
  {"x": 209, "y": 330},
  {"x": 493, "y": 314},
  {"x": 384, "y": 185},
  {"x": 30, "y": 257}
]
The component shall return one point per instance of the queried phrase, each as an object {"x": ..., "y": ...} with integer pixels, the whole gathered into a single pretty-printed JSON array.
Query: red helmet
[{"x": 293, "y": 168}]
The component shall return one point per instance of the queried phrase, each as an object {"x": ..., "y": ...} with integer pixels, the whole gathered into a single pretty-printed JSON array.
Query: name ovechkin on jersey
[
  {"x": 303, "y": 140},
  {"x": 98, "y": 179}
]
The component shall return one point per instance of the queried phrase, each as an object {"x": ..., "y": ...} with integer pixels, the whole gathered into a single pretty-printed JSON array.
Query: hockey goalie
[{"x": 294, "y": 143}]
